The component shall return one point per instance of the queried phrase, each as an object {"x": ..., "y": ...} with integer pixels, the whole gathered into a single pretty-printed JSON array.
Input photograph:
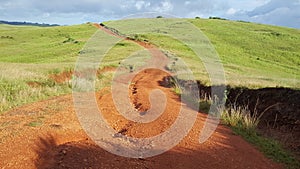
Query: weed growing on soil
[
  {"x": 240, "y": 117},
  {"x": 35, "y": 123}
]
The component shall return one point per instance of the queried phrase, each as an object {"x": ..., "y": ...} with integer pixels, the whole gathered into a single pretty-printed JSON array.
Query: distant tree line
[
  {"x": 28, "y": 24},
  {"x": 219, "y": 18}
]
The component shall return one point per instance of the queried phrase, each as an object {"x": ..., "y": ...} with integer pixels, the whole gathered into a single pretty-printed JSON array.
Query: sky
[{"x": 67, "y": 12}]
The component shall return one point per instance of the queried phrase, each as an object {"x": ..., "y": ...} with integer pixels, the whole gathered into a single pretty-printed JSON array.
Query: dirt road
[{"x": 47, "y": 134}]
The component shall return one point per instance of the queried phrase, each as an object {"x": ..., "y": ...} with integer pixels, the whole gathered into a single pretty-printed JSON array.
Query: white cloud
[
  {"x": 231, "y": 11},
  {"x": 142, "y": 4},
  {"x": 274, "y": 12},
  {"x": 167, "y": 6},
  {"x": 187, "y": 2},
  {"x": 139, "y": 5},
  {"x": 163, "y": 7},
  {"x": 46, "y": 15},
  {"x": 277, "y": 12},
  {"x": 246, "y": 5}
]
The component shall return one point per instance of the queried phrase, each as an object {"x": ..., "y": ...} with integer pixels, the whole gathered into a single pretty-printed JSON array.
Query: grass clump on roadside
[
  {"x": 241, "y": 118},
  {"x": 16, "y": 93}
]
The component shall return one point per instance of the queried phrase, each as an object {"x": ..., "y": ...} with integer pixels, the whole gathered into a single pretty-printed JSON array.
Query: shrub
[
  {"x": 240, "y": 117},
  {"x": 243, "y": 21}
]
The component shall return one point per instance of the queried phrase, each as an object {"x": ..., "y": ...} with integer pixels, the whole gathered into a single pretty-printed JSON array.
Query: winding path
[{"x": 58, "y": 141}]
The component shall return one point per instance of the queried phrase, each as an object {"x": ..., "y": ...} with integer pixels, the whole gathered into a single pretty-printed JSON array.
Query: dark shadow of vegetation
[
  {"x": 44, "y": 150},
  {"x": 278, "y": 107}
]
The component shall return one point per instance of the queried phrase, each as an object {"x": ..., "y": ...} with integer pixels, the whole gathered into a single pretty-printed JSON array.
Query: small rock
[
  {"x": 57, "y": 126},
  {"x": 143, "y": 113}
]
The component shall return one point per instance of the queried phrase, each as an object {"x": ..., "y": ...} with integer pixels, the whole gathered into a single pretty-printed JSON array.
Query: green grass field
[
  {"x": 253, "y": 55},
  {"x": 26, "y": 44},
  {"x": 31, "y": 54}
]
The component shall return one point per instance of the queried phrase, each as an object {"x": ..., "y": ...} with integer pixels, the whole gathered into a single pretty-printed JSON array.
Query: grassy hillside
[
  {"x": 26, "y": 44},
  {"x": 252, "y": 54},
  {"x": 255, "y": 52},
  {"x": 29, "y": 54}
]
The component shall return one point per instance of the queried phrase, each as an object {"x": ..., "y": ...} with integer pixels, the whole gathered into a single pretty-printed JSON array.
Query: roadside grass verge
[
  {"x": 270, "y": 147},
  {"x": 243, "y": 123},
  {"x": 15, "y": 93},
  {"x": 26, "y": 83}
]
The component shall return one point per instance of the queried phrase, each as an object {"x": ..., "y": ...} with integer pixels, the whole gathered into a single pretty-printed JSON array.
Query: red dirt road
[
  {"x": 60, "y": 142},
  {"x": 47, "y": 134}
]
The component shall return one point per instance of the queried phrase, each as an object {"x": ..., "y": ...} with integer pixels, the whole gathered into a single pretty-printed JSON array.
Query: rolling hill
[
  {"x": 37, "y": 63},
  {"x": 253, "y": 55}
]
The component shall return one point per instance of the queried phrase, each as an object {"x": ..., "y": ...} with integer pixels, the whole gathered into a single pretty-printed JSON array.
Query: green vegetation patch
[
  {"x": 253, "y": 55},
  {"x": 29, "y": 44}
]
